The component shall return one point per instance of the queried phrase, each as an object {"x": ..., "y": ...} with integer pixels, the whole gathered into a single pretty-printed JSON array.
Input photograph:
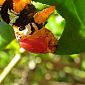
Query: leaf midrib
[{"x": 78, "y": 17}]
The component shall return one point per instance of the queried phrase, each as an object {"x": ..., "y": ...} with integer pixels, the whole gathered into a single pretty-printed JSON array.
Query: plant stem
[{"x": 9, "y": 67}]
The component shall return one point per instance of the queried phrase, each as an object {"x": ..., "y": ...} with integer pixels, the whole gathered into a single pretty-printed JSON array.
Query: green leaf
[
  {"x": 49, "y": 2},
  {"x": 55, "y": 24},
  {"x": 72, "y": 40},
  {"x": 6, "y": 35}
]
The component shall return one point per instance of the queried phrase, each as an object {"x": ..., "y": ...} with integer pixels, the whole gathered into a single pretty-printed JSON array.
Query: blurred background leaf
[{"x": 6, "y": 35}]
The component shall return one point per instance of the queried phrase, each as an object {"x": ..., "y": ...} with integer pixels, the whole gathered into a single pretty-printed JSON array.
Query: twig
[{"x": 9, "y": 67}]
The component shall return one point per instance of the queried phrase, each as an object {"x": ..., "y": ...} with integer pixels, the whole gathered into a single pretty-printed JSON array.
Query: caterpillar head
[{"x": 41, "y": 41}]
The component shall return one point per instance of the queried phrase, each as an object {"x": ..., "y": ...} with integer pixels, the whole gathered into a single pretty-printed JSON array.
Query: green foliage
[
  {"x": 55, "y": 24},
  {"x": 38, "y": 68},
  {"x": 73, "y": 37},
  {"x": 6, "y": 35}
]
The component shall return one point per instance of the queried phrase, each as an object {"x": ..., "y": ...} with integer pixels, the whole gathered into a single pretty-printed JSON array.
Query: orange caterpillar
[
  {"x": 43, "y": 15},
  {"x": 35, "y": 37},
  {"x": 1, "y": 2},
  {"x": 19, "y": 5},
  {"x": 15, "y": 5},
  {"x": 30, "y": 28}
]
